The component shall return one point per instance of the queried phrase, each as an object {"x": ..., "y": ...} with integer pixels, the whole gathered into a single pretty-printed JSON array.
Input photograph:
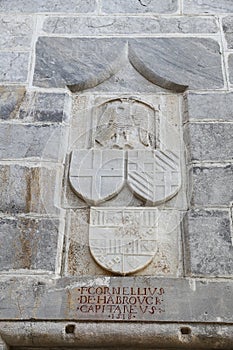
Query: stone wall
[{"x": 58, "y": 60}]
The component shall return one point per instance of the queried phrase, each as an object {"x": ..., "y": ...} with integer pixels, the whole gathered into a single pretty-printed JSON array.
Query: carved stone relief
[{"x": 126, "y": 143}]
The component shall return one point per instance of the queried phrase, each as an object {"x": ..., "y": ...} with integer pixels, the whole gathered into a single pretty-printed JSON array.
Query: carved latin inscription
[{"x": 120, "y": 303}]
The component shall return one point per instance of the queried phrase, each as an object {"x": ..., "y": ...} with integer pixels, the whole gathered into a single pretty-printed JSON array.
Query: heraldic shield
[
  {"x": 154, "y": 175},
  {"x": 97, "y": 175},
  {"x": 123, "y": 240}
]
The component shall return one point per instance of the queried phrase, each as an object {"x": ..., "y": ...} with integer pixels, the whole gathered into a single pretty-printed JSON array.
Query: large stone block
[
  {"x": 212, "y": 186},
  {"x": 16, "y": 32},
  {"x": 14, "y": 67},
  {"x": 210, "y": 141},
  {"x": 10, "y": 101},
  {"x": 131, "y": 6},
  {"x": 230, "y": 65},
  {"x": 79, "y": 63},
  {"x": 45, "y": 107},
  {"x": 84, "y": 63},
  {"x": 177, "y": 63},
  {"x": 228, "y": 30},
  {"x": 107, "y": 299},
  {"x": 26, "y": 189},
  {"x": 32, "y": 141},
  {"x": 34, "y": 6},
  {"x": 208, "y": 6},
  {"x": 128, "y": 25},
  {"x": 27, "y": 243},
  {"x": 208, "y": 243},
  {"x": 215, "y": 106}
]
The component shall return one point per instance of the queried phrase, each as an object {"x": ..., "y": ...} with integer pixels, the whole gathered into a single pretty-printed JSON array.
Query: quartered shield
[
  {"x": 97, "y": 175},
  {"x": 154, "y": 176},
  {"x": 123, "y": 240}
]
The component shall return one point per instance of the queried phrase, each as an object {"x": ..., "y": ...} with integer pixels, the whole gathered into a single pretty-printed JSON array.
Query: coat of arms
[{"x": 124, "y": 152}]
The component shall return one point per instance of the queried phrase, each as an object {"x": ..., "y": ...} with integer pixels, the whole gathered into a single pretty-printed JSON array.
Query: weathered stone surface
[
  {"x": 97, "y": 175},
  {"x": 208, "y": 6},
  {"x": 26, "y": 189},
  {"x": 228, "y": 30},
  {"x": 216, "y": 106},
  {"x": 31, "y": 141},
  {"x": 57, "y": 299},
  {"x": 212, "y": 186},
  {"x": 10, "y": 101},
  {"x": 230, "y": 65},
  {"x": 208, "y": 243},
  {"x": 210, "y": 141},
  {"x": 34, "y": 6},
  {"x": 128, "y": 25},
  {"x": 16, "y": 32},
  {"x": 84, "y": 63},
  {"x": 14, "y": 67},
  {"x": 128, "y": 335},
  {"x": 77, "y": 63},
  {"x": 131, "y": 6},
  {"x": 178, "y": 62},
  {"x": 166, "y": 261},
  {"x": 28, "y": 243},
  {"x": 45, "y": 107},
  {"x": 126, "y": 81}
]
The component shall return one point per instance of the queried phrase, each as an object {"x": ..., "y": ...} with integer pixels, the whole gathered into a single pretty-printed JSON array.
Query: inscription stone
[{"x": 122, "y": 303}]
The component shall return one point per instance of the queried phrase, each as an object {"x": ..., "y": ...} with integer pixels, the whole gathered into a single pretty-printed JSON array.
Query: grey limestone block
[
  {"x": 211, "y": 106},
  {"x": 142, "y": 6},
  {"x": 16, "y": 32},
  {"x": 230, "y": 66},
  {"x": 27, "y": 243},
  {"x": 172, "y": 63},
  {"x": 212, "y": 185},
  {"x": 210, "y": 141},
  {"x": 14, "y": 67},
  {"x": 10, "y": 101},
  {"x": 227, "y": 23},
  {"x": 45, "y": 107},
  {"x": 208, "y": 243},
  {"x": 77, "y": 63},
  {"x": 177, "y": 63},
  {"x": 110, "y": 25},
  {"x": 208, "y": 6},
  {"x": 28, "y": 189},
  {"x": 41, "y": 141},
  {"x": 35, "y": 6}
]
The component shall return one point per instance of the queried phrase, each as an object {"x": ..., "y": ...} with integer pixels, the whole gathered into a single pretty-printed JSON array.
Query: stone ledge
[{"x": 153, "y": 336}]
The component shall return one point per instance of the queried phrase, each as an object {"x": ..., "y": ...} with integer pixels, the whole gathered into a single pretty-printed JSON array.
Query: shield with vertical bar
[
  {"x": 123, "y": 240},
  {"x": 154, "y": 176},
  {"x": 97, "y": 175}
]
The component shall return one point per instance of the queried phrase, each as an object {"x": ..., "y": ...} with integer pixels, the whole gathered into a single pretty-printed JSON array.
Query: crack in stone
[
  {"x": 103, "y": 25},
  {"x": 145, "y": 5}
]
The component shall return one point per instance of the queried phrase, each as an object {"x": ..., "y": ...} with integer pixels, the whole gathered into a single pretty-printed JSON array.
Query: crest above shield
[
  {"x": 154, "y": 176},
  {"x": 97, "y": 175},
  {"x": 123, "y": 240}
]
